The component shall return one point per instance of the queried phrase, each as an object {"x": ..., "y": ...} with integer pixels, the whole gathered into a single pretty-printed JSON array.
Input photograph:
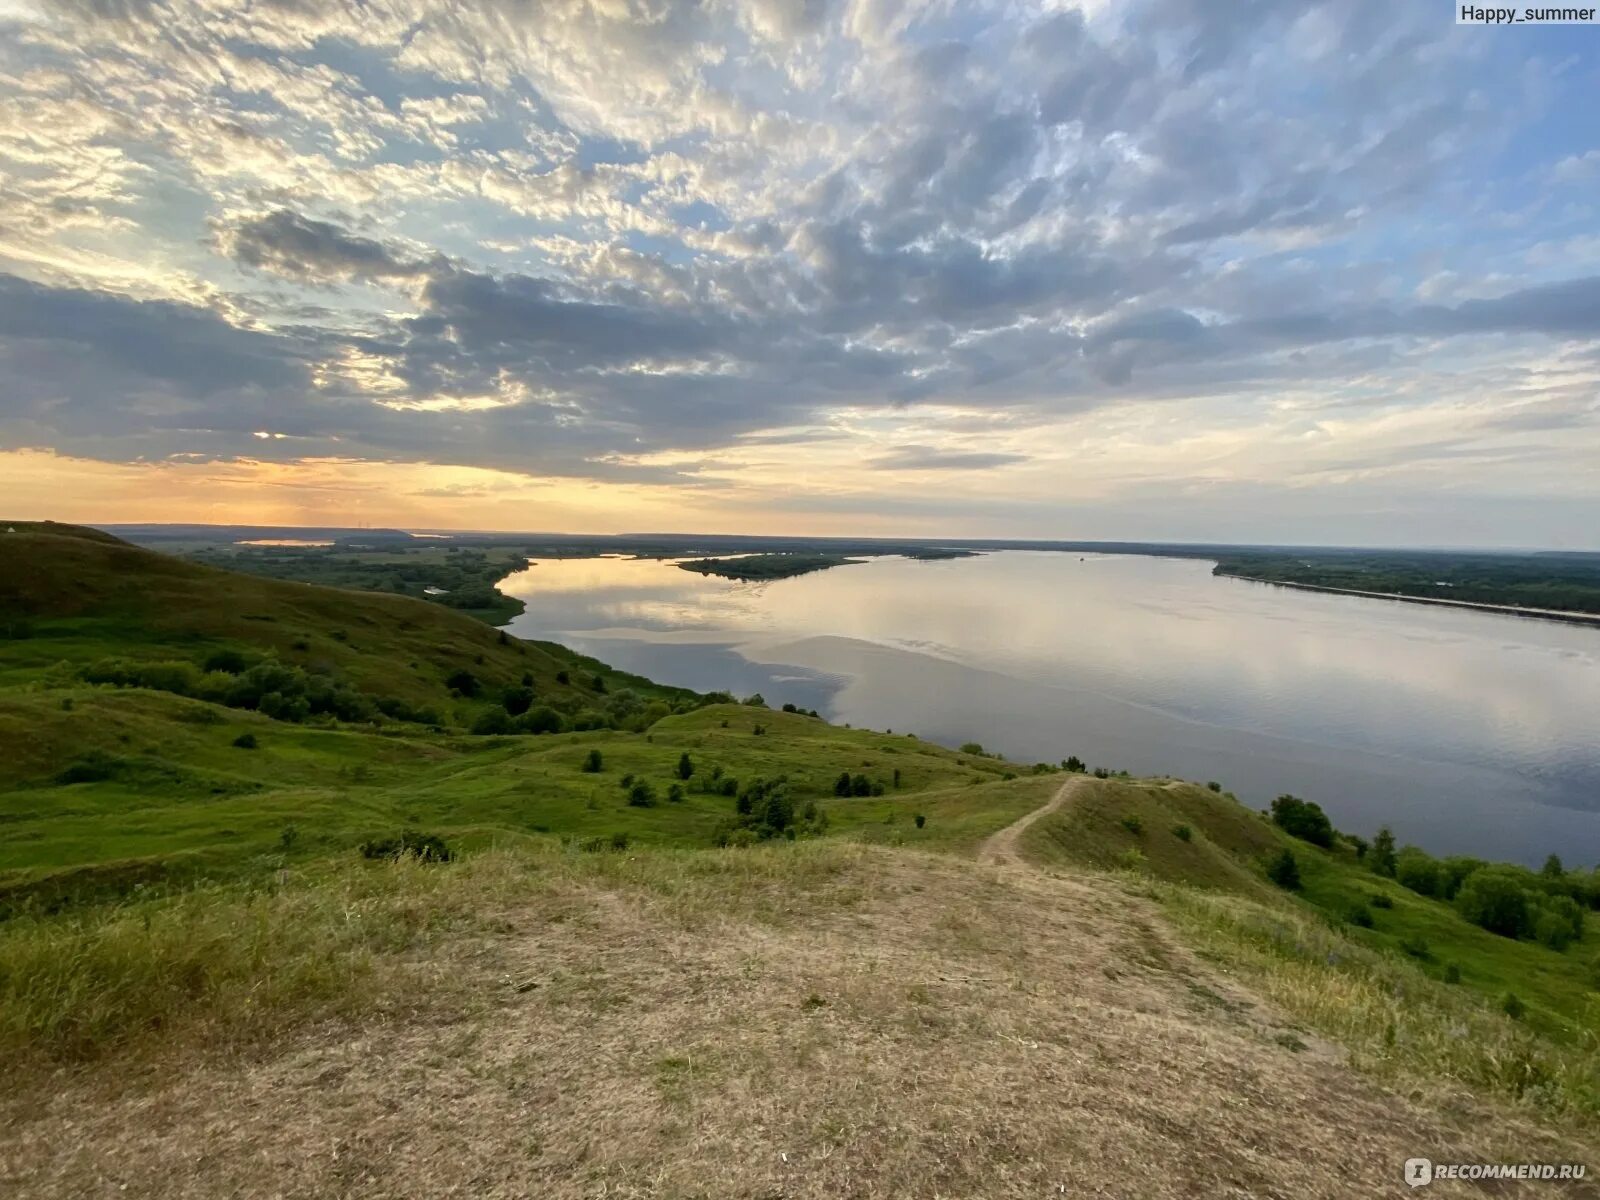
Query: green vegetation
[
  {"x": 756, "y": 567},
  {"x": 1554, "y": 581},
  {"x": 458, "y": 577},
  {"x": 1397, "y": 967}
]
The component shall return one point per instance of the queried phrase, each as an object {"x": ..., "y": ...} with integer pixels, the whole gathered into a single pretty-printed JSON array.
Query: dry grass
[
  {"x": 1397, "y": 1023},
  {"x": 810, "y": 1020}
]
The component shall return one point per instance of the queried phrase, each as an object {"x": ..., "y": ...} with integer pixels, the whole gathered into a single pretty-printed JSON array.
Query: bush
[
  {"x": 1182, "y": 832},
  {"x": 93, "y": 767},
  {"x": 1074, "y": 764},
  {"x": 1132, "y": 824},
  {"x": 231, "y": 661},
  {"x": 1452, "y": 973},
  {"x": 1214, "y": 786},
  {"x": 1416, "y": 946},
  {"x": 642, "y": 795},
  {"x": 921, "y": 820},
  {"x": 860, "y": 785},
  {"x": 1360, "y": 915},
  {"x": 1380, "y": 900},
  {"x": 543, "y": 719},
  {"x": 1284, "y": 871},
  {"x": 1496, "y": 899},
  {"x": 592, "y": 763},
  {"x": 1455, "y": 871},
  {"x": 495, "y": 721},
  {"x": 1512, "y": 1006},
  {"x": 1420, "y": 871},
  {"x": 685, "y": 765},
  {"x": 973, "y": 748},
  {"x": 1132, "y": 859},
  {"x": 1381, "y": 856},
  {"x": 245, "y": 741},
  {"x": 841, "y": 785},
  {"x": 517, "y": 700},
  {"x": 1304, "y": 820},
  {"x": 463, "y": 681},
  {"x": 409, "y": 843},
  {"x": 675, "y": 793},
  {"x": 1550, "y": 930}
]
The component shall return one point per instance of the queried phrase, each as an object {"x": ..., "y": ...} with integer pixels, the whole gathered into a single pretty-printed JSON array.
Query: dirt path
[{"x": 1000, "y": 849}]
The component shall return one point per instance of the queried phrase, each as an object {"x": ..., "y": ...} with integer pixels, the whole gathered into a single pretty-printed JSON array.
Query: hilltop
[{"x": 701, "y": 948}]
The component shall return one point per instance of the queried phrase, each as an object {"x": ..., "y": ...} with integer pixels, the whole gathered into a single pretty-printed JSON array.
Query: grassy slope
[
  {"x": 1356, "y": 983},
  {"x": 183, "y": 800},
  {"x": 80, "y": 595}
]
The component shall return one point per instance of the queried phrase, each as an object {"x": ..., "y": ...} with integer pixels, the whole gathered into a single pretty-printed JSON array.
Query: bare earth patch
[{"x": 887, "y": 1024}]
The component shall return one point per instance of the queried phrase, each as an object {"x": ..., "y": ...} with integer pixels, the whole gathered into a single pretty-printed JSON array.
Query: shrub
[
  {"x": 462, "y": 681},
  {"x": 1283, "y": 870},
  {"x": 1360, "y": 915},
  {"x": 1132, "y": 824},
  {"x": 409, "y": 843},
  {"x": 1512, "y": 1006},
  {"x": 1496, "y": 899},
  {"x": 921, "y": 820},
  {"x": 1420, "y": 871},
  {"x": 592, "y": 762},
  {"x": 619, "y": 840},
  {"x": 517, "y": 700},
  {"x": 93, "y": 767},
  {"x": 1416, "y": 946},
  {"x": 1380, "y": 900},
  {"x": 841, "y": 785},
  {"x": 245, "y": 741},
  {"x": 287, "y": 837},
  {"x": 495, "y": 721},
  {"x": 1552, "y": 868},
  {"x": 1074, "y": 764},
  {"x": 641, "y": 795},
  {"x": 1214, "y": 786},
  {"x": 897, "y": 778},
  {"x": 685, "y": 765},
  {"x": 1455, "y": 871},
  {"x": 860, "y": 785},
  {"x": 543, "y": 719},
  {"x": 1132, "y": 859},
  {"x": 1381, "y": 857},
  {"x": 231, "y": 661},
  {"x": 675, "y": 793},
  {"x": 1452, "y": 973},
  {"x": 1182, "y": 832},
  {"x": 1550, "y": 930},
  {"x": 1359, "y": 845},
  {"x": 563, "y": 678},
  {"x": 1303, "y": 819}
]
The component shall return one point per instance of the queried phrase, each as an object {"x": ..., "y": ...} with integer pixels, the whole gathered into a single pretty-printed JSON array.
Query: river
[{"x": 1466, "y": 732}]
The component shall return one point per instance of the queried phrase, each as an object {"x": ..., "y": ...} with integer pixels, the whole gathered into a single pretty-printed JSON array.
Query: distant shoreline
[{"x": 1547, "y": 614}]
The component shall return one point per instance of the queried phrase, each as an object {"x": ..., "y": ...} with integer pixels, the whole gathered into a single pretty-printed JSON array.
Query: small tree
[
  {"x": 685, "y": 765},
  {"x": 593, "y": 763},
  {"x": 1074, "y": 764},
  {"x": 675, "y": 793},
  {"x": 1552, "y": 868},
  {"x": 1381, "y": 857},
  {"x": 920, "y": 819},
  {"x": 1284, "y": 871},
  {"x": 462, "y": 681},
  {"x": 641, "y": 795},
  {"x": 1303, "y": 819},
  {"x": 1496, "y": 899},
  {"x": 841, "y": 785},
  {"x": 860, "y": 785},
  {"x": 517, "y": 700}
]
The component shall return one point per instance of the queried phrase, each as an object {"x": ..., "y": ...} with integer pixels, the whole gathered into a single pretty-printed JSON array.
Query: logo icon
[{"x": 1419, "y": 1172}]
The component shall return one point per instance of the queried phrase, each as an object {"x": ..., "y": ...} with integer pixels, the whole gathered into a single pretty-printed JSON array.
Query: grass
[{"x": 1379, "y": 988}]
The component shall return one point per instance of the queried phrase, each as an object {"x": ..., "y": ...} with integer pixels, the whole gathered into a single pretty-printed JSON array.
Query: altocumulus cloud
[{"x": 584, "y": 240}]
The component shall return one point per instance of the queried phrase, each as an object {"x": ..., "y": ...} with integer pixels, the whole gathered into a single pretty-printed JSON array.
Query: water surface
[{"x": 1467, "y": 732}]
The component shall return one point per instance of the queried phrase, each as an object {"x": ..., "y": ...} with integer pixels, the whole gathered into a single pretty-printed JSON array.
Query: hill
[{"x": 701, "y": 948}]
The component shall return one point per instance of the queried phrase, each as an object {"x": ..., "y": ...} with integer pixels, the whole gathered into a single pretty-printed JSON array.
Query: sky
[{"x": 1266, "y": 270}]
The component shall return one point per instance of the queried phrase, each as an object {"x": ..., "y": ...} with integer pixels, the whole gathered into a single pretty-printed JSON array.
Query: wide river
[{"x": 1466, "y": 732}]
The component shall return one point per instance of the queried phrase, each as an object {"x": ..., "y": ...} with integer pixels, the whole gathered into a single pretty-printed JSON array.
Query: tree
[
  {"x": 592, "y": 763},
  {"x": 1419, "y": 871},
  {"x": 517, "y": 700},
  {"x": 685, "y": 765},
  {"x": 841, "y": 785},
  {"x": 1552, "y": 868},
  {"x": 1284, "y": 871},
  {"x": 1074, "y": 764},
  {"x": 1381, "y": 856},
  {"x": 1303, "y": 819},
  {"x": 1496, "y": 899},
  {"x": 860, "y": 785}
]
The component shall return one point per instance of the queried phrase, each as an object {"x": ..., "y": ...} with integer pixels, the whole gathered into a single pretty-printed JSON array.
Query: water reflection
[{"x": 1467, "y": 731}]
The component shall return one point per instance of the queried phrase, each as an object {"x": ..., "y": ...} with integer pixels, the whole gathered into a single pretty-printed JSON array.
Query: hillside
[{"x": 710, "y": 949}]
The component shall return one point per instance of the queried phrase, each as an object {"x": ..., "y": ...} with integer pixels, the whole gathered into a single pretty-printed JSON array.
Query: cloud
[
  {"x": 926, "y": 458},
  {"x": 625, "y": 242}
]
